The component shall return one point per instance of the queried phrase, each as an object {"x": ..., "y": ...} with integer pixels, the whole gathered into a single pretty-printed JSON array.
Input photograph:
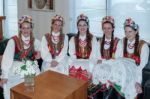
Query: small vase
[{"x": 29, "y": 82}]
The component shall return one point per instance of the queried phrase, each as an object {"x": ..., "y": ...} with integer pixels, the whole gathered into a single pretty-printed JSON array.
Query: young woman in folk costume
[
  {"x": 107, "y": 45},
  {"x": 19, "y": 48},
  {"x": 54, "y": 47},
  {"x": 107, "y": 48},
  {"x": 82, "y": 50},
  {"x": 125, "y": 74},
  {"x": 135, "y": 49}
]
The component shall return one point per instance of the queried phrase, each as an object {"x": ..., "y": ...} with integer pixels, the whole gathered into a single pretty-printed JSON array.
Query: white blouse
[
  {"x": 118, "y": 52},
  {"x": 8, "y": 56},
  {"x": 46, "y": 55},
  {"x": 72, "y": 49},
  {"x": 143, "y": 57}
]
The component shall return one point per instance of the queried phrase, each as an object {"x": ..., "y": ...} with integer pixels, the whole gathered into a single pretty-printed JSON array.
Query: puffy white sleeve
[
  {"x": 45, "y": 54},
  {"x": 144, "y": 60},
  {"x": 119, "y": 49},
  {"x": 63, "y": 52},
  {"x": 72, "y": 50},
  {"x": 8, "y": 58},
  {"x": 37, "y": 45},
  {"x": 98, "y": 53}
]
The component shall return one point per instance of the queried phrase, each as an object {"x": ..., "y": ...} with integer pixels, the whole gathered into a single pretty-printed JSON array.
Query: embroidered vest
[
  {"x": 82, "y": 52},
  {"x": 21, "y": 53},
  {"x": 55, "y": 49},
  {"x": 106, "y": 52},
  {"x": 132, "y": 56}
]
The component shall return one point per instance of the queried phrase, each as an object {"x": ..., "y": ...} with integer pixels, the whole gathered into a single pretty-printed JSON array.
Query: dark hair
[
  {"x": 82, "y": 20},
  {"x": 113, "y": 26},
  {"x": 136, "y": 50},
  {"x": 89, "y": 37},
  {"x": 111, "y": 43},
  {"x": 135, "y": 45}
]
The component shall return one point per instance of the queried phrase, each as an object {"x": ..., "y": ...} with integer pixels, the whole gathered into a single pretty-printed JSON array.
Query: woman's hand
[
  {"x": 37, "y": 55},
  {"x": 54, "y": 63},
  {"x": 138, "y": 87},
  {"x": 2, "y": 82}
]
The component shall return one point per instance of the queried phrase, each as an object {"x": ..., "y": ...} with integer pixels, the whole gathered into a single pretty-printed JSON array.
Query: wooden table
[{"x": 52, "y": 85}]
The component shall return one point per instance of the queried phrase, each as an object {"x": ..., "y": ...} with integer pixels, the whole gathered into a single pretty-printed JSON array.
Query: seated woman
[
  {"x": 82, "y": 50},
  {"x": 54, "y": 48},
  {"x": 107, "y": 47},
  {"x": 108, "y": 44},
  {"x": 19, "y": 48},
  {"x": 125, "y": 74}
]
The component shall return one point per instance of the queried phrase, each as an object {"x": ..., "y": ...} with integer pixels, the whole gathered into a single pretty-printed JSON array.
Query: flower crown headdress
[
  {"x": 25, "y": 18},
  {"x": 83, "y": 17},
  {"x": 131, "y": 23},
  {"x": 57, "y": 17},
  {"x": 108, "y": 19}
]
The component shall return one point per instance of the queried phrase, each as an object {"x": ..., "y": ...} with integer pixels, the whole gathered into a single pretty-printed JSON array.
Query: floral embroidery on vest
[
  {"x": 107, "y": 51},
  {"x": 83, "y": 48},
  {"x": 21, "y": 53},
  {"x": 55, "y": 49},
  {"x": 135, "y": 57}
]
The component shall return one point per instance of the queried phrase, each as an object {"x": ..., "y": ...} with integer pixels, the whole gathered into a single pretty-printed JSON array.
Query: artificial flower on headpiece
[
  {"x": 25, "y": 18},
  {"x": 131, "y": 23},
  {"x": 57, "y": 17},
  {"x": 83, "y": 17},
  {"x": 108, "y": 19}
]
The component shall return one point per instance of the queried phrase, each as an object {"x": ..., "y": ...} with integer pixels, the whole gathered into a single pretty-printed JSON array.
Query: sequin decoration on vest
[
  {"x": 55, "y": 48},
  {"x": 106, "y": 52},
  {"x": 21, "y": 53},
  {"x": 83, "y": 50}
]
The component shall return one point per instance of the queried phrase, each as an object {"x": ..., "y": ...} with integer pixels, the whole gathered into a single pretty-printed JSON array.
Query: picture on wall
[{"x": 42, "y": 5}]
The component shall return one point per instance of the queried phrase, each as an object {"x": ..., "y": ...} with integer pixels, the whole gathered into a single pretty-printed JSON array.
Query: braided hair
[
  {"x": 111, "y": 43},
  {"x": 31, "y": 35},
  {"x": 88, "y": 38},
  {"x": 136, "y": 51},
  {"x": 135, "y": 45}
]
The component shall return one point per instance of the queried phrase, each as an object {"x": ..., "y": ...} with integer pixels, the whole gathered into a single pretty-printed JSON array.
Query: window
[
  {"x": 1, "y": 7},
  {"x": 94, "y": 9},
  {"x": 8, "y": 8},
  {"x": 139, "y": 10}
]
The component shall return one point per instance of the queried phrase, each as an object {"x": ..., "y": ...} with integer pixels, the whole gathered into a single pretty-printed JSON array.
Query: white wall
[{"x": 42, "y": 19}]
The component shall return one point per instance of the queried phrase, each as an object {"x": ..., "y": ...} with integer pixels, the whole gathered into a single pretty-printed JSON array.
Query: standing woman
[
  {"x": 54, "y": 47},
  {"x": 82, "y": 49},
  {"x": 136, "y": 49},
  {"x": 19, "y": 48}
]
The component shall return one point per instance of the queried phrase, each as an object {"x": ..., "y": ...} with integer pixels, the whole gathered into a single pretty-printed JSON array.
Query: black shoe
[{"x": 113, "y": 94}]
